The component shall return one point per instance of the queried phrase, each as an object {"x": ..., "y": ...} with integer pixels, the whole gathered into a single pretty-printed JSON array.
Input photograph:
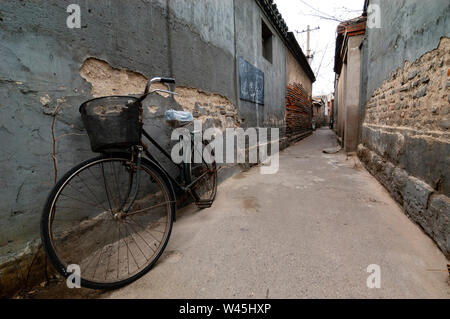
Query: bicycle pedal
[{"x": 204, "y": 204}]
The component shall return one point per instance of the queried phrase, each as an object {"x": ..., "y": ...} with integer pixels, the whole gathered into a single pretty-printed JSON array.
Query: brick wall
[
  {"x": 415, "y": 96},
  {"x": 298, "y": 110},
  {"x": 406, "y": 140}
]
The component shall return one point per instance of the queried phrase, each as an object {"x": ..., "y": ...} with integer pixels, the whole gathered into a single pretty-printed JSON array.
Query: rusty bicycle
[{"x": 112, "y": 215}]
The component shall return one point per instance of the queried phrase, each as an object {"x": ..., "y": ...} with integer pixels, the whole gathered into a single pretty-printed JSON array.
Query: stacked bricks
[{"x": 298, "y": 110}]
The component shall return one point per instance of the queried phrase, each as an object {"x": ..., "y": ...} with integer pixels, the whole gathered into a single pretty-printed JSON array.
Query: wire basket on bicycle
[{"x": 112, "y": 122}]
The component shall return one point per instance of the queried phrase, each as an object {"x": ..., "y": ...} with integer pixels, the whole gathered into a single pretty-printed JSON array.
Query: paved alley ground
[{"x": 309, "y": 231}]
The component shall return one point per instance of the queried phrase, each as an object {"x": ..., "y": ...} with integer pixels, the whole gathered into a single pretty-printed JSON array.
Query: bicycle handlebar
[
  {"x": 149, "y": 84},
  {"x": 160, "y": 80},
  {"x": 168, "y": 80}
]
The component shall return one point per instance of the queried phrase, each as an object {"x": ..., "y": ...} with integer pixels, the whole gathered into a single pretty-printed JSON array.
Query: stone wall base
[
  {"x": 24, "y": 270},
  {"x": 422, "y": 204}
]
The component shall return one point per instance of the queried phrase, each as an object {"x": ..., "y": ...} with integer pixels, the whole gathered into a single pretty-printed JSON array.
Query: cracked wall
[
  {"x": 211, "y": 109},
  {"x": 106, "y": 80},
  {"x": 416, "y": 95},
  {"x": 42, "y": 70}
]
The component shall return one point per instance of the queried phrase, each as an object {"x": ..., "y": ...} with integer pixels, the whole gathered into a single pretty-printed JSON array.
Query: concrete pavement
[{"x": 309, "y": 231}]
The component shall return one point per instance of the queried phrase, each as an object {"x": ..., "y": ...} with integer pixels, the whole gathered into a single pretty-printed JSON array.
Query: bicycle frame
[
  {"x": 181, "y": 166},
  {"x": 173, "y": 181}
]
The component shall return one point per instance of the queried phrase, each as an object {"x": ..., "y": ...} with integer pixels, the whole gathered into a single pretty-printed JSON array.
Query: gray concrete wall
[
  {"x": 340, "y": 120},
  {"x": 352, "y": 91},
  {"x": 41, "y": 59},
  {"x": 132, "y": 40},
  {"x": 248, "y": 17}
]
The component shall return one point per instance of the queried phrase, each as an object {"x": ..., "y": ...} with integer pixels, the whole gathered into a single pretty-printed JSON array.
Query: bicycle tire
[{"x": 47, "y": 220}]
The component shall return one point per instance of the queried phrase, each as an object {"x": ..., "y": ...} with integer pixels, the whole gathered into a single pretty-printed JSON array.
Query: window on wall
[{"x": 267, "y": 39}]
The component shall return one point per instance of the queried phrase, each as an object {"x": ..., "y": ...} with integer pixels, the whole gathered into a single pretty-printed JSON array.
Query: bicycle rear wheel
[
  {"x": 84, "y": 223},
  {"x": 204, "y": 175}
]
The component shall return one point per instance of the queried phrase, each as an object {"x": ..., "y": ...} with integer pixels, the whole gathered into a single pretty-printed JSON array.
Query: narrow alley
[
  {"x": 222, "y": 149},
  {"x": 309, "y": 231}
]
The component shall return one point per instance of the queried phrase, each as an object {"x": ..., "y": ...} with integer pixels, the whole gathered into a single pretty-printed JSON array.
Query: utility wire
[
  {"x": 323, "y": 14},
  {"x": 320, "y": 65}
]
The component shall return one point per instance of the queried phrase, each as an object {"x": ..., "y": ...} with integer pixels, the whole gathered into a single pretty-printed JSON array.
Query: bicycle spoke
[
  {"x": 118, "y": 251},
  {"x": 100, "y": 255},
  {"x": 114, "y": 197},
  {"x": 94, "y": 197},
  {"x": 79, "y": 200},
  {"x": 108, "y": 187},
  {"x": 134, "y": 259},
  {"x": 135, "y": 242},
  {"x": 146, "y": 209},
  {"x": 141, "y": 237},
  {"x": 117, "y": 186},
  {"x": 70, "y": 207},
  {"x": 97, "y": 179},
  {"x": 145, "y": 229},
  {"x": 128, "y": 256}
]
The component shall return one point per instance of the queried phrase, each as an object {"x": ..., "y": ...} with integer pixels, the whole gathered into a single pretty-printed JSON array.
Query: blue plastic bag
[{"x": 180, "y": 116}]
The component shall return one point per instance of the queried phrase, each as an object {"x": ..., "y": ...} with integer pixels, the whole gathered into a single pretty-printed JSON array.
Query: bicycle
[{"x": 112, "y": 215}]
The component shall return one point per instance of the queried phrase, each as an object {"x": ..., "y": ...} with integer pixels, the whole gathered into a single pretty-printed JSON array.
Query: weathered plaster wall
[
  {"x": 43, "y": 70},
  {"x": 405, "y": 106},
  {"x": 296, "y": 74},
  {"x": 106, "y": 80},
  {"x": 340, "y": 120},
  {"x": 47, "y": 70},
  {"x": 212, "y": 19},
  {"x": 352, "y": 91},
  {"x": 409, "y": 28}
]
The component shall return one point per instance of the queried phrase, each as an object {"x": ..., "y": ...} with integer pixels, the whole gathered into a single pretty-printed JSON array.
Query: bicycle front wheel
[{"x": 84, "y": 222}]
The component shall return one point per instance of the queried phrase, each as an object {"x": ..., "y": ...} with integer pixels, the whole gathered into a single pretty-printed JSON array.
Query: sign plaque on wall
[{"x": 251, "y": 82}]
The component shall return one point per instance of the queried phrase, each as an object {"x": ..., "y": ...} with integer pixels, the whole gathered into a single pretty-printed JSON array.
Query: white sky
[{"x": 299, "y": 13}]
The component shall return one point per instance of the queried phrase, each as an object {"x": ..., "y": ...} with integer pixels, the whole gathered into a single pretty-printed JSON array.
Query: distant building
[
  {"x": 347, "y": 67},
  {"x": 321, "y": 110}
]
